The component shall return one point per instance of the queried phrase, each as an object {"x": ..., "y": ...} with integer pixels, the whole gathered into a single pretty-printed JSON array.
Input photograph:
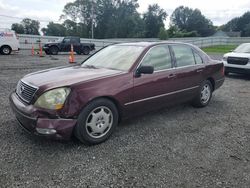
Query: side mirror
[{"x": 144, "y": 70}]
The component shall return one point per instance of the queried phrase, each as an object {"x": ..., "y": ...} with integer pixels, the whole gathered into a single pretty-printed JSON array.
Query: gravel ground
[{"x": 175, "y": 147}]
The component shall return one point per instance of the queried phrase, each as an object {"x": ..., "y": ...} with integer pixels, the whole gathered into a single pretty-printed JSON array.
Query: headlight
[
  {"x": 53, "y": 99},
  {"x": 224, "y": 58}
]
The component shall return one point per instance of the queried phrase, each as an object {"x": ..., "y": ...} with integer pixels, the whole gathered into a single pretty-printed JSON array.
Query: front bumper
[
  {"x": 30, "y": 119},
  {"x": 45, "y": 48},
  {"x": 239, "y": 69}
]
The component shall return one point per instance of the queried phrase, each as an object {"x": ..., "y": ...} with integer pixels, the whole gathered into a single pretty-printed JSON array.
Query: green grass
[{"x": 219, "y": 48}]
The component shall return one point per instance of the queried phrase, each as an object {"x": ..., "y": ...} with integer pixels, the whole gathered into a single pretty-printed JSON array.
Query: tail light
[
  {"x": 16, "y": 36},
  {"x": 223, "y": 70}
]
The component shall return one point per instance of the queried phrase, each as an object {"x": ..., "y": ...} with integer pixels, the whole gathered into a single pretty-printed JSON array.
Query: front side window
[
  {"x": 66, "y": 40},
  {"x": 119, "y": 57},
  {"x": 183, "y": 55},
  {"x": 159, "y": 57}
]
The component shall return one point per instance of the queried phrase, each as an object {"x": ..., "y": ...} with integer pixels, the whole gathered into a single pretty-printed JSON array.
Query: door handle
[
  {"x": 199, "y": 70},
  {"x": 171, "y": 75}
]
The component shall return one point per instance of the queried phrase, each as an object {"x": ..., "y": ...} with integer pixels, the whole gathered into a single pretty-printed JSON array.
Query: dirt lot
[{"x": 175, "y": 147}]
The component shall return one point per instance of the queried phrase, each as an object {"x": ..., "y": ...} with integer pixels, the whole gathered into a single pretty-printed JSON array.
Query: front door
[{"x": 152, "y": 91}]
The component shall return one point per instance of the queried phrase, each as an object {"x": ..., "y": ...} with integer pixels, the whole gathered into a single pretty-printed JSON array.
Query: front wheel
[
  {"x": 96, "y": 122},
  {"x": 204, "y": 96},
  {"x": 53, "y": 50}
]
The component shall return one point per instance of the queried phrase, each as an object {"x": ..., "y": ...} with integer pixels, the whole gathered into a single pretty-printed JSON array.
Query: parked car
[
  {"x": 8, "y": 41},
  {"x": 238, "y": 61},
  {"x": 118, "y": 82},
  {"x": 65, "y": 46}
]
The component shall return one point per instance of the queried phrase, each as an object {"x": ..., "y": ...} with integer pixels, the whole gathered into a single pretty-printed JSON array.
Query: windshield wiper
[{"x": 90, "y": 66}]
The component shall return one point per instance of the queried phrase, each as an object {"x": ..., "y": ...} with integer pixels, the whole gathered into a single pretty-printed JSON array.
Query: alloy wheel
[{"x": 99, "y": 122}]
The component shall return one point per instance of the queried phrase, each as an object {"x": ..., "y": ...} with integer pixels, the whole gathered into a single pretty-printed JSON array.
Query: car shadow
[{"x": 239, "y": 76}]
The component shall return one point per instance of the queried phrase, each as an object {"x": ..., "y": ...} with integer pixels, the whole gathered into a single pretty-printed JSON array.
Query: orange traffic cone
[
  {"x": 71, "y": 56},
  {"x": 32, "y": 50},
  {"x": 40, "y": 51}
]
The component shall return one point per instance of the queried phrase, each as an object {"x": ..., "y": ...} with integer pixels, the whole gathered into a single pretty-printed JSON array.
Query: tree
[
  {"x": 189, "y": 20},
  {"x": 110, "y": 18},
  {"x": 18, "y": 28},
  {"x": 27, "y": 26},
  {"x": 54, "y": 29},
  {"x": 154, "y": 19},
  {"x": 163, "y": 34},
  {"x": 239, "y": 24},
  {"x": 31, "y": 26}
]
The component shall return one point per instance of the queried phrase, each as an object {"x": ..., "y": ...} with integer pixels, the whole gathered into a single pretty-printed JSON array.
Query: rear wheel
[
  {"x": 204, "y": 96},
  {"x": 5, "y": 50},
  {"x": 86, "y": 50},
  {"x": 96, "y": 122}
]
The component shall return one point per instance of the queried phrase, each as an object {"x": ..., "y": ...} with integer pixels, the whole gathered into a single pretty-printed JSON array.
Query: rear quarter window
[{"x": 198, "y": 58}]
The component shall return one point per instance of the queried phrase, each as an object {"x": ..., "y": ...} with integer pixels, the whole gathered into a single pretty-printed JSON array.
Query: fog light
[{"x": 46, "y": 131}]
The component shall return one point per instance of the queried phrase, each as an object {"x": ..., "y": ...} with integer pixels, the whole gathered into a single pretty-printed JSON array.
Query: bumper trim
[{"x": 237, "y": 70}]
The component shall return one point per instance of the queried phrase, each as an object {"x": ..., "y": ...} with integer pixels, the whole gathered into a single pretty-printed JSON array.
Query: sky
[{"x": 218, "y": 11}]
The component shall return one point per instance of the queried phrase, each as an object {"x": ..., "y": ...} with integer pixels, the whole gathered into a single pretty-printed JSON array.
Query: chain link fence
[{"x": 26, "y": 41}]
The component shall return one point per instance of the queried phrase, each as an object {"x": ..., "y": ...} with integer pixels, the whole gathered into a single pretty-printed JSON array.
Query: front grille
[
  {"x": 25, "y": 91},
  {"x": 237, "y": 60}
]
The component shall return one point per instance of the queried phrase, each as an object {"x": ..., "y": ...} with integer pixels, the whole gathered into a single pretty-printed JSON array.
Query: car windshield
[
  {"x": 119, "y": 57},
  {"x": 243, "y": 48}
]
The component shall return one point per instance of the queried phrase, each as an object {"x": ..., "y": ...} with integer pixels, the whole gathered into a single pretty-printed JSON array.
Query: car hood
[
  {"x": 65, "y": 76},
  {"x": 234, "y": 54},
  {"x": 50, "y": 43}
]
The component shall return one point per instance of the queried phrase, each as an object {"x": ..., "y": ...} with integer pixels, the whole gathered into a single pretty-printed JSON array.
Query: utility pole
[{"x": 92, "y": 20}]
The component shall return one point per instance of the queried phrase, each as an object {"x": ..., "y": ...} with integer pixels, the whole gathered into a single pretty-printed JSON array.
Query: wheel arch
[
  {"x": 53, "y": 46},
  {"x": 113, "y": 100},
  {"x": 212, "y": 82},
  {"x": 6, "y": 45}
]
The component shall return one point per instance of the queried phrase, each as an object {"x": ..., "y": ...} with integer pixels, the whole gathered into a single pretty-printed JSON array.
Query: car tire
[
  {"x": 204, "y": 96},
  {"x": 96, "y": 122},
  {"x": 53, "y": 50},
  {"x": 86, "y": 51},
  {"x": 226, "y": 73},
  {"x": 78, "y": 52},
  {"x": 47, "y": 52},
  {"x": 5, "y": 50}
]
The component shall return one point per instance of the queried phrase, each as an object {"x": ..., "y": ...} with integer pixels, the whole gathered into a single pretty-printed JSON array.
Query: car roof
[{"x": 149, "y": 44}]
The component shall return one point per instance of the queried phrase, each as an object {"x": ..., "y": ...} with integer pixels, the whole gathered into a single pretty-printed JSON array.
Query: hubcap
[
  {"x": 6, "y": 50},
  {"x": 99, "y": 122},
  {"x": 205, "y": 93}
]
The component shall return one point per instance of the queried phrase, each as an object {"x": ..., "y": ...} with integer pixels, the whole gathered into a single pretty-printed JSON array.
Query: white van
[{"x": 8, "y": 41}]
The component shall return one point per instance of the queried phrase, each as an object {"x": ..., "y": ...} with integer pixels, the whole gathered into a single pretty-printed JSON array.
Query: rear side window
[
  {"x": 159, "y": 57},
  {"x": 184, "y": 55},
  {"x": 74, "y": 40}
]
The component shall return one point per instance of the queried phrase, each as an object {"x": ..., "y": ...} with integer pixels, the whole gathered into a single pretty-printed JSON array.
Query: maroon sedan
[{"x": 119, "y": 81}]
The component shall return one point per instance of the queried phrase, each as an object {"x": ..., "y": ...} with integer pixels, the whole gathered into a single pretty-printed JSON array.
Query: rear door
[
  {"x": 153, "y": 91},
  {"x": 189, "y": 68},
  {"x": 75, "y": 41}
]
